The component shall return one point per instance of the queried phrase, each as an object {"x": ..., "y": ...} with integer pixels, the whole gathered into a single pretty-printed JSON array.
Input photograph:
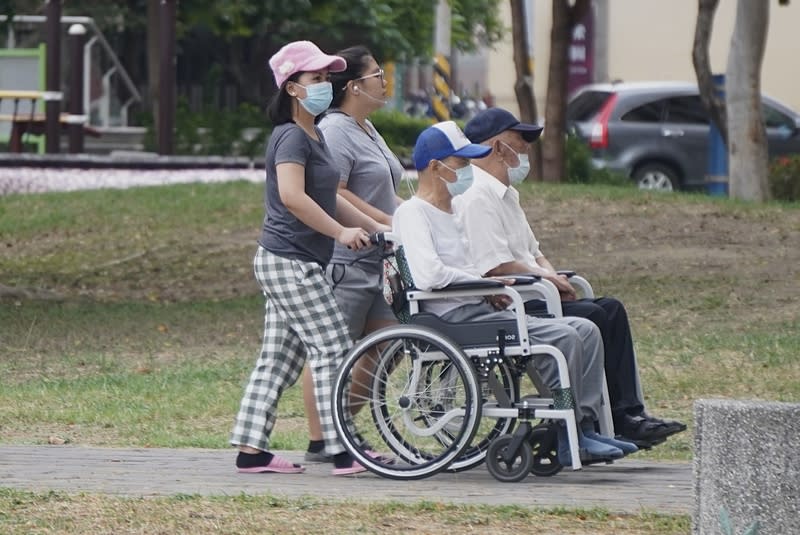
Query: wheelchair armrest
[
  {"x": 522, "y": 278},
  {"x": 579, "y": 282},
  {"x": 471, "y": 285},
  {"x": 545, "y": 290},
  {"x": 526, "y": 275}
]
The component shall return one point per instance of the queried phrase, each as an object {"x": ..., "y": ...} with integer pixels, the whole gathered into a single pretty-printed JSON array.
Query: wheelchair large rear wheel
[
  {"x": 399, "y": 391},
  {"x": 489, "y": 428}
]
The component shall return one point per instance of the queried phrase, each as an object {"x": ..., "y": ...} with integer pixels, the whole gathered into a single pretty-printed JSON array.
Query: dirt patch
[{"x": 748, "y": 256}]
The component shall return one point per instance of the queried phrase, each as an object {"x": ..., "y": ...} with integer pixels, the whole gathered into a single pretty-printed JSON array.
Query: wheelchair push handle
[{"x": 382, "y": 238}]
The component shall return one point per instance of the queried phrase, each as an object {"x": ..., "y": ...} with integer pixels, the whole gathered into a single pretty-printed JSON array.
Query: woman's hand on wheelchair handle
[{"x": 353, "y": 237}]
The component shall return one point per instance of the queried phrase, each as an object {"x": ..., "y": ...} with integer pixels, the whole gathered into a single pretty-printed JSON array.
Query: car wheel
[{"x": 656, "y": 176}]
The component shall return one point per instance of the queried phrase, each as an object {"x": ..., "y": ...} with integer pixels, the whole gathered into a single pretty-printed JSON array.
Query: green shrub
[
  {"x": 580, "y": 169},
  {"x": 399, "y": 130},
  {"x": 215, "y": 132},
  {"x": 222, "y": 132},
  {"x": 784, "y": 178}
]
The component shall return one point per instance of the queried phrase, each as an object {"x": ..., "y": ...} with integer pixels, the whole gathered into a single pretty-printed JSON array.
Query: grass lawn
[{"x": 131, "y": 318}]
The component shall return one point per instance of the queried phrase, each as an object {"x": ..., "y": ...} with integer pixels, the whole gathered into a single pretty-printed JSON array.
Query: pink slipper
[
  {"x": 277, "y": 465},
  {"x": 384, "y": 459},
  {"x": 355, "y": 468}
]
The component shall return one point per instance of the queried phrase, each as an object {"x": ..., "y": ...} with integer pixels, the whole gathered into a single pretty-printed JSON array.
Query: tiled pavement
[{"x": 628, "y": 485}]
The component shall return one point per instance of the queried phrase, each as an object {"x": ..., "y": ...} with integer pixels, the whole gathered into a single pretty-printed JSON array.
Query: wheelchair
[{"x": 440, "y": 396}]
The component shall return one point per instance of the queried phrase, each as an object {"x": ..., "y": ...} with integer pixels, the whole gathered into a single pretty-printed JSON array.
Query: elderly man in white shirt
[
  {"x": 437, "y": 256},
  {"x": 502, "y": 242}
]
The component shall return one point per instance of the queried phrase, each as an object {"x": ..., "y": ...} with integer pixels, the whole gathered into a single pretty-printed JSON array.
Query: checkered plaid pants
[{"x": 302, "y": 321}]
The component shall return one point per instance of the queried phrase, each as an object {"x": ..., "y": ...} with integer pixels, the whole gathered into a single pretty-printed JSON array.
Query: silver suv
[{"x": 657, "y": 132}]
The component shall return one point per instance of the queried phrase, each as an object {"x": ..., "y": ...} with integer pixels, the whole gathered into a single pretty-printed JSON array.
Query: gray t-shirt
[
  {"x": 282, "y": 233},
  {"x": 369, "y": 169}
]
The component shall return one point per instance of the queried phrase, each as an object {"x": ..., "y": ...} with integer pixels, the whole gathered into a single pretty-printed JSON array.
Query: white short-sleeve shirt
[{"x": 496, "y": 227}]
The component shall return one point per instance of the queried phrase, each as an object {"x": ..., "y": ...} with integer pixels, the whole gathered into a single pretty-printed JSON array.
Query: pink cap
[{"x": 302, "y": 56}]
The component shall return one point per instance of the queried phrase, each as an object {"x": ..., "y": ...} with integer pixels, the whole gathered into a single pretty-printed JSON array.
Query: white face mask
[
  {"x": 464, "y": 178},
  {"x": 517, "y": 174},
  {"x": 318, "y": 97}
]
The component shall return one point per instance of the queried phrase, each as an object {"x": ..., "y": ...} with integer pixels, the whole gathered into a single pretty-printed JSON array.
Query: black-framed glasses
[{"x": 373, "y": 75}]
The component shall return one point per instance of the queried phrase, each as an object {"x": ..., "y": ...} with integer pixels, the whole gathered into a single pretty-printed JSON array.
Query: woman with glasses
[
  {"x": 304, "y": 217},
  {"x": 370, "y": 173}
]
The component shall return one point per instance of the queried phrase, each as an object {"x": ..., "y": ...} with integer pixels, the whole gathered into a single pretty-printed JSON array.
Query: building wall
[{"x": 652, "y": 40}]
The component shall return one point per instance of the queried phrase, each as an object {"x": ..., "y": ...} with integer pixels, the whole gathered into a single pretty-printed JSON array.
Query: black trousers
[{"x": 611, "y": 318}]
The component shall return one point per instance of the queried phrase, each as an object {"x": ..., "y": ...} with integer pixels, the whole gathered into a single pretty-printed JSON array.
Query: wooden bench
[{"x": 33, "y": 122}]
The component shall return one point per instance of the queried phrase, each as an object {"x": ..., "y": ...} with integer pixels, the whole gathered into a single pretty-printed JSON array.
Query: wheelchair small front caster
[
  {"x": 506, "y": 466},
  {"x": 544, "y": 443}
]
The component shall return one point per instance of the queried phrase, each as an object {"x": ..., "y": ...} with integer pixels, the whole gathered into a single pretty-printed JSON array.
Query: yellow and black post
[
  {"x": 442, "y": 82},
  {"x": 440, "y": 102}
]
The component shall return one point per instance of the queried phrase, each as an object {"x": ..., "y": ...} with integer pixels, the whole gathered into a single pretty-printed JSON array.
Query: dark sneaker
[{"x": 317, "y": 457}]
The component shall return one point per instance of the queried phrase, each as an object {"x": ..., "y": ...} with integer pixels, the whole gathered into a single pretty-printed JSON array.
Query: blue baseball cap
[
  {"x": 493, "y": 121},
  {"x": 443, "y": 140}
]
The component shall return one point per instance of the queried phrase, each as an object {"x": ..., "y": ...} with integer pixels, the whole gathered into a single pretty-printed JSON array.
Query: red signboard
[{"x": 580, "y": 55}]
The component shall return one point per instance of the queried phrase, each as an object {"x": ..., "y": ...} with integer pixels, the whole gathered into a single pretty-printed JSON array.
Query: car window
[
  {"x": 647, "y": 113},
  {"x": 688, "y": 109},
  {"x": 586, "y": 105},
  {"x": 774, "y": 118}
]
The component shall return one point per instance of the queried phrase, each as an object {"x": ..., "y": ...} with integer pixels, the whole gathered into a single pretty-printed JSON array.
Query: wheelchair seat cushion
[{"x": 470, "y": 334}]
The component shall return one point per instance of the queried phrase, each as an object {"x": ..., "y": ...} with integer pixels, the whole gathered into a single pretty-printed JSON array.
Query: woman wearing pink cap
[{"x": 304, "y": 217}]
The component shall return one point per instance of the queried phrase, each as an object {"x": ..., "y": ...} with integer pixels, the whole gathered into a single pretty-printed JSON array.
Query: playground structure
[{"x": 93, "y": 71}]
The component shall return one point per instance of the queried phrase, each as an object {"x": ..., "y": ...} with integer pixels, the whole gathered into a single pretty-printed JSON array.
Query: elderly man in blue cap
[
  {"x": 437, "y": 257},
  {"x": 502, "y": 242}
]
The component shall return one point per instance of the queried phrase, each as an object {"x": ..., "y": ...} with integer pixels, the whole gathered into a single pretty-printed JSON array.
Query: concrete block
[{"x": 747, "y": 462}]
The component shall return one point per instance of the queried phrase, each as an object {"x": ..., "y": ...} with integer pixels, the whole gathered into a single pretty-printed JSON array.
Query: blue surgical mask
[
  {"x": 463, "y": 181},
  {"x": 517, "y": 174},
  {"x": 318, "y": 97}
]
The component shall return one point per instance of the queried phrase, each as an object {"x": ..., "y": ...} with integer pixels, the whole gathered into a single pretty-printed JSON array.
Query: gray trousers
[{"x": 577, "y": 338}]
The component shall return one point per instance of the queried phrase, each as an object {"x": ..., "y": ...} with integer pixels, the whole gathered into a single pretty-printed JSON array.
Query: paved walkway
[
  {"x": 625, "y": 486},
  {"x": 39, "y": 180}
]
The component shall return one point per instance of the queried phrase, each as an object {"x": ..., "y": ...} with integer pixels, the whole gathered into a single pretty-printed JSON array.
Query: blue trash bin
[{"x": 717, "y": 176}]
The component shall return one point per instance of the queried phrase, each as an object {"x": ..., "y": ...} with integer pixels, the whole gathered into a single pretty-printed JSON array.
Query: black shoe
[
  {"x": 642, "y": 444},
  {"x": 673, "y": 426},
  {"x": 643, "y": 430},
  {"x": 317, "y": 457}
]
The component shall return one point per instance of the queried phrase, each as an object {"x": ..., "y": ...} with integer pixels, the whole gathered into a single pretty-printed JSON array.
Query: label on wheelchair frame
[{"x": 509, "y": 337}]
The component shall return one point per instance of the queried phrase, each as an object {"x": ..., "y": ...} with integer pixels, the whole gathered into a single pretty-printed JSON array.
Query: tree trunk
[
  {"x": 747, "y": 138},
  {"x": 523, "y": 87},
  {"x": 565, "y": 16},
  {"x": 702, "y": 66}
]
